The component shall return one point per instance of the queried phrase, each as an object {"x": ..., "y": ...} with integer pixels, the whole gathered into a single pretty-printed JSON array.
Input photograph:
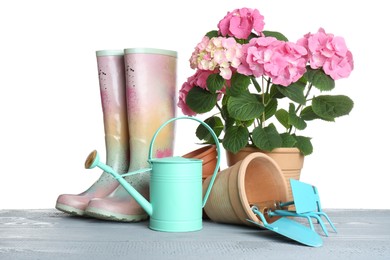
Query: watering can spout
[{"x": 93, "y": 160}]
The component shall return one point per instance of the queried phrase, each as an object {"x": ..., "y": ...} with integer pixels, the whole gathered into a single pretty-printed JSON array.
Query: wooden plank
[{"x": 50, "y": 234}]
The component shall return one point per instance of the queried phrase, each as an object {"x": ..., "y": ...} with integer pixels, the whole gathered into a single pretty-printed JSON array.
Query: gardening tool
[
  {"x": 307, "y": 205},
  {"x": 290, "y": 229},
  {"x": 175, "y": 187}
]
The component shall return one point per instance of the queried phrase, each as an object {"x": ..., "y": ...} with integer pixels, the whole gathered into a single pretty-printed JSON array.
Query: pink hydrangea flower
[
  {"x": 217, "y": 53},
  {"x": 198, "y": 79},
  {"x": 283, "y": 62},
  {"x": 183, "y": 92},
  {"x": 200, "y": 53},
  {"x": 329, "y": 52},
  {"x": 240, "y": 22}
]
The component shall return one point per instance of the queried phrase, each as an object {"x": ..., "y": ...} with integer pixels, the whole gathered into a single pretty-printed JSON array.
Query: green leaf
[
  {"x": 288, "y": 140},
  {"x": 251, "y": 35},
  {"x": 236, "y": 138},
  {"x": 224, "y": 112},
  {"x": 319, "y": 79},
  {"x": 244, "y": 107},
  {"x": 330, "y": 107},
  {"x": 302, "y": 79},
  {"x": 277, "y": 35},
  {"x": 266, "y": 138},
  {"x": 229, "y": 121},
  {"x": 294, "y": 120},
  {"x": 256, "y": 84},
  {"x": 204, "y": 134},
  {"x": 282, "y": 116},
  {"x": 238, "y": 84},
  {"x": 275, "y": 93},
  {"x": 225, "y": 100},
  {"x": 308, "y": 114},
  {"x": 247, "y": 123},
  {"x": 215, "y": 82},
  {"x": 201, "y": 100},
  {"x": 304, "y": 144},
  {"x": 270, "y": 108},
  {"x": 212, "y": 34},
  {"x": 294, "y": 92}
]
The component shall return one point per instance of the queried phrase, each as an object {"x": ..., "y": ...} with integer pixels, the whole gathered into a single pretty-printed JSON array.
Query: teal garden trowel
[{"x": 290, "y": 229}]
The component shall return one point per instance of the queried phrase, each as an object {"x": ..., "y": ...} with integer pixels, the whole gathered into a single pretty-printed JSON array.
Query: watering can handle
[{"x": 206, "y": 196}]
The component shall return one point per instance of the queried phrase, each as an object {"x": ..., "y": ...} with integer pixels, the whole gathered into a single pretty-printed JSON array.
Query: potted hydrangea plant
[{"x": 264, "y": 88}]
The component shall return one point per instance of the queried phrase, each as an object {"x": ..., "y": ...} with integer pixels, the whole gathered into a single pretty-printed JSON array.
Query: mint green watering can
[{"x": 175, "y": 187}]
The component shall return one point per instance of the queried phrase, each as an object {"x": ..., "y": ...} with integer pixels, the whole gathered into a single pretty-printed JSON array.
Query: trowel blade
[{"x": 293, "y": 230}]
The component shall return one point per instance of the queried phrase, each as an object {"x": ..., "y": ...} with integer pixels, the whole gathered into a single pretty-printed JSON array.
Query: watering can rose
[{"x": 244, "y": 72}]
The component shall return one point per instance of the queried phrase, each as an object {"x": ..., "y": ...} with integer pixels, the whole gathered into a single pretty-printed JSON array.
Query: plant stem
[
  {"x": 268, "y": 85},
  {"x": 259, "y": 90},
  {"x": 310, "y": 86},
  {"x": 220, "y": 110},
  {"x": 307, "y": 94},
  {"x": 263, "y": 100}
]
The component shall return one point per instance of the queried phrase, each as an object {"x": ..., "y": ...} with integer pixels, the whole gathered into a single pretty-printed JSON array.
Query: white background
[{"x": 50, "y": 112}]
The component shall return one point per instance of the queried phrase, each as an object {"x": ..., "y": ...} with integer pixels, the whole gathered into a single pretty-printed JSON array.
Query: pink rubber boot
[
  {"x": 113, "y": 98},
  {"x": 150, "y": 89}
]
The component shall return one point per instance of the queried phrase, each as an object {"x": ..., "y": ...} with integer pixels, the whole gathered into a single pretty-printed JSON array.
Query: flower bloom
[
  {"x": 329, "y": 52},
  {"x": 217, "y": 53},
  {"x": 198, "y": 79},
  {"x": 283, "y": 62},
  {"x": 240, "y": 22}
]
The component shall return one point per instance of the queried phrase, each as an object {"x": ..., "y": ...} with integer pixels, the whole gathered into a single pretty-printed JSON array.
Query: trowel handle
[{"x": 206, "y": 196}]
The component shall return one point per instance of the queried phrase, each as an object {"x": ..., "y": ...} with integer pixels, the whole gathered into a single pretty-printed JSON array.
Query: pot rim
[
  {"x": 201, "y": 152},
  {"x": 276, "y": 150}
]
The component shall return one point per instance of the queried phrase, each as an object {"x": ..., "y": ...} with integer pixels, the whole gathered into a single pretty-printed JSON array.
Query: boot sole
[
  {"x": 106, "y": 215},
  {"x": 70, "y": 210}
]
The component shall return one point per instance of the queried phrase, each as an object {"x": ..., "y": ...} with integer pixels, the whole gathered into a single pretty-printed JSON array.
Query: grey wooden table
[{"x": 50, "y": 234}]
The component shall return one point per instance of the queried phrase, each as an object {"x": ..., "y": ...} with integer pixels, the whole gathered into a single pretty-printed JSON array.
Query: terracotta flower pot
[
  {"x": 255, "y": 179},
  {"x": 290, "y": 161},
  {"x": 208, "y": 154}
]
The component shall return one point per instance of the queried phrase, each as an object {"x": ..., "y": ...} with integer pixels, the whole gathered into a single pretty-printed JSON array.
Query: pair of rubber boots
[{"x": 137, "y": 89}]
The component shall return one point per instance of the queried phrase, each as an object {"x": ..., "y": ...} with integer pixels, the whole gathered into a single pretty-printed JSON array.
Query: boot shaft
[
  {"x": 150, "y": 92},
  {"x": 112, "y": 84}
]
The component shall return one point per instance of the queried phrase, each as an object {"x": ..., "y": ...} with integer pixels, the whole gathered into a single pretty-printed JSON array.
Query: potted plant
[
  {"x": 263, "y": 88},
  {"x": 248, "y": 73}
]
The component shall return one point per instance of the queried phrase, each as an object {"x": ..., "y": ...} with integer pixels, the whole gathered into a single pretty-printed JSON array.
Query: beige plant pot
[
  {"x": 254, "y": 180},
  {"x": 290, "y": 161},
  {"x": 208, "y": 154}
]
